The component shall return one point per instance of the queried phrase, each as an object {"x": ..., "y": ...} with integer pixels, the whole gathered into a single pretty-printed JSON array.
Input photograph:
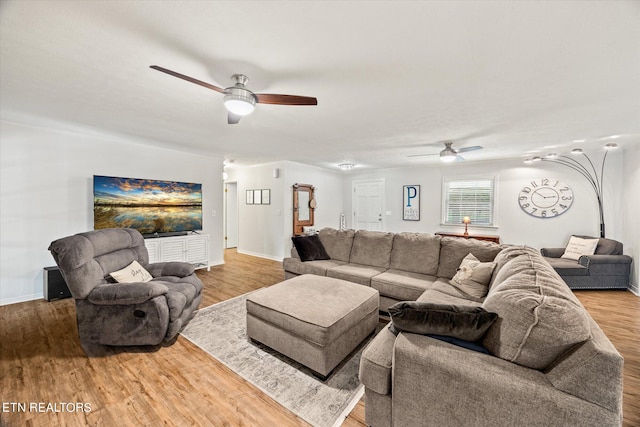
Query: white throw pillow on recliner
[
  {"x": 133, "y": 272},
  {"x": 578, "y": 246}
]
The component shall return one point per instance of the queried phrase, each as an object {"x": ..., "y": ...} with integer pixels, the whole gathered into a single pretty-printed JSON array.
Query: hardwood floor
[{"x": 41, "y": 362}]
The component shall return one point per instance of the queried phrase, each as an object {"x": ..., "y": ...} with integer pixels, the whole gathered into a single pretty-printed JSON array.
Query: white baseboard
[
  {"x": 634, "y": 289},
  {"x": 271, "y": 257},
  {"x": 22, "y": 298}
]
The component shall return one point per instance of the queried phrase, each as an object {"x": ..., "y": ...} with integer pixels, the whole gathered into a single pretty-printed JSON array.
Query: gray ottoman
[{"x": 314, "y": 320}]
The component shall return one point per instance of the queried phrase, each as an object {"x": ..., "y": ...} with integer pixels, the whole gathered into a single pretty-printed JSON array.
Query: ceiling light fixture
[
  {"x": 346, "y": 166},
  {"x": 448, "y": 157},
  {"x": 239, "y": 104},
  {"x": 237, "y": 99}
]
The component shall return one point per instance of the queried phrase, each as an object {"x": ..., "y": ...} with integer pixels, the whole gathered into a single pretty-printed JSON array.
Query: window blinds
[{"x": 472, "y": 198}]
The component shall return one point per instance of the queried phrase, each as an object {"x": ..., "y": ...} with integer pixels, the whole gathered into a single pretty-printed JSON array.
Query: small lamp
[{"x": 466, "y": 220}]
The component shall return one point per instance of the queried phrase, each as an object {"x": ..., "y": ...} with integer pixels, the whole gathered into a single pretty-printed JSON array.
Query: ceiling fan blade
[
  {"x": 271, "y": 98},
  {"x": 459, "y": 159},
  {"x": 233, "y": 119},
  {"x": 187, "y": 78},
  {"x": 423, "y": 155},
  {"x": 466, "y": 149}
]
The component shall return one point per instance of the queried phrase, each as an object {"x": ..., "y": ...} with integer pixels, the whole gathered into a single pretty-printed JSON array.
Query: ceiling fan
[
  {"x": 239, "y": 100},
  {"x": 449, "y": 154}
]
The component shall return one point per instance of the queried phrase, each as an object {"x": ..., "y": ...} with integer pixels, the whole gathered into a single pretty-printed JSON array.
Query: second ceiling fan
[
  {"x": 450, "y": 154},
  {"x": 239, "y": 100}
]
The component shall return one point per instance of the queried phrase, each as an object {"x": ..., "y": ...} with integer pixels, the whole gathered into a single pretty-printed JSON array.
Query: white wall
[
  {"x": 265, "y": 230},
  {"x": 630, "y": 210},
  {"x": 514, "y": 225},
  {"x": 46, "y": 193},
  {"x": 260, "y": 227}
]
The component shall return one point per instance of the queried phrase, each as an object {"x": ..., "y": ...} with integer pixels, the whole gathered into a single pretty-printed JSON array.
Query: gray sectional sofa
[
  {"x": 547, "y": 362},
  {"x": 400, "y": 266}
]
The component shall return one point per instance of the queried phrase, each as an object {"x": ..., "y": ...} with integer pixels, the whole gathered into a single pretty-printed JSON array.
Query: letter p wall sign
[{"x": 411, "y": 202}]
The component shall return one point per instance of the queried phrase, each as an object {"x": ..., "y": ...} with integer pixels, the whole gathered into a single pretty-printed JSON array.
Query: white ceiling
[{"x": 391, "y": 78}]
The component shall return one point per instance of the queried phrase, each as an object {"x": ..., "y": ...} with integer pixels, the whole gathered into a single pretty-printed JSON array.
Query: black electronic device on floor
[{"x": 54, "y": 285}]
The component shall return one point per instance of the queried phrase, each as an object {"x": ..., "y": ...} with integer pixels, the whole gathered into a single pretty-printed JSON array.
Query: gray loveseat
[
  {"x": 124, "y": 314},
  {"x": 549, "y": 363},
  {"x": 607, "y": 268}
]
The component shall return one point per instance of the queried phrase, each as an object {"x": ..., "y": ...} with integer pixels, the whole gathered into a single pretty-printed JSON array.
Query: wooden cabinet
[
  {"x": 193, "y": 248},
  {"x": 494, "y": 239}
]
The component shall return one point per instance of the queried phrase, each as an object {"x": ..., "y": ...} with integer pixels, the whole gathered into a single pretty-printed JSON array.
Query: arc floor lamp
[{"x": 588, "y": 170}]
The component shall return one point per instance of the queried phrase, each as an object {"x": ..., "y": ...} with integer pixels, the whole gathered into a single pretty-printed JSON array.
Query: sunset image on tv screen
[{"x": 149, "y": 206}]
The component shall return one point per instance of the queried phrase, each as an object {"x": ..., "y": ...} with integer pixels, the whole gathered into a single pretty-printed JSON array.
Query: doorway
[
  {"x": 367, "y": 205},
  {"x": 230, "y": 215}
]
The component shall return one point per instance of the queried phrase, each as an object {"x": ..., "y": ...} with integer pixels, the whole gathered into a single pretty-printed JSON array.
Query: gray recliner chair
[
  {"x": 124, "y": 314},
  {"x": 607, "y": 268}
]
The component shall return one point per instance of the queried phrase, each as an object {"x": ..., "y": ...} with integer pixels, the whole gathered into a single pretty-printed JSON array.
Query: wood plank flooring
[{"x": 41, "y": 361}]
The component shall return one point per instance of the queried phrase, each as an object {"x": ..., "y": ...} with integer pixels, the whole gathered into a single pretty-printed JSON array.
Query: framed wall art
[
  {"x": 411, "y": 202},
  {"x": 266, "y": 197}
]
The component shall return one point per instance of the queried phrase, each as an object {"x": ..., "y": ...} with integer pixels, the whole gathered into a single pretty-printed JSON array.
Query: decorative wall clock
[{"x": 545, "y": 198}]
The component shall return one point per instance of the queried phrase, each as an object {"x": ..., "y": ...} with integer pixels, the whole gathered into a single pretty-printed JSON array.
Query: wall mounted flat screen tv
[{"x": 149, "y": 206}]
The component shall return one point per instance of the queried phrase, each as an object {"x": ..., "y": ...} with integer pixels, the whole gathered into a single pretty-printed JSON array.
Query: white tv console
[{"x": 192, "y": 248}]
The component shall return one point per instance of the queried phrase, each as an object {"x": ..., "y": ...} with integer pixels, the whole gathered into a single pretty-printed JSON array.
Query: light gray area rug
[{"x": 220, "y": 330}]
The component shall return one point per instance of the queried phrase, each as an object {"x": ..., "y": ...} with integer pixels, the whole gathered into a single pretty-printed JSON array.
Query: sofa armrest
[
  {"x": 449, "y": 385},
  {"x": 126, "y": 293},
  {"x": 588, "y": 260},
  {"x": 552, "y": 252},
  {"x": 173, "y": 268},
  {"x": 606, "y": 265}
]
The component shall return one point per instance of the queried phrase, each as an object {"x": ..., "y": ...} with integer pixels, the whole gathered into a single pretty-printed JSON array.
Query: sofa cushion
[
  {"x": 337, "y": 243},
  {"x": 372, "y": 248},
  {"x": 467, "y": 323},
  {"x": 606, "y": 246},
  {"x": 473, "y": 276},
  {"x": 416, "y": 253},
  {"x": 568, "y": 267},
  {"x": 319, "y": 268},
  {"x": 507, "y": 253},
  {"x": 578, "y": 246},
  {"x": 402, "y": 285},
  {"x": 356, "y": 273},
  {"x": 309, "y": 248},
  {"x": 534, "y": 328},
  {"x": 443, "y": 286},
  {"x": 454, "y": 249},
  {"x": 536, "y": 276}
]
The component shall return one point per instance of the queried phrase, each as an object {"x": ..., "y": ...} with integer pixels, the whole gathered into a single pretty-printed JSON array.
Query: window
[{"x": 472, "y": 197}]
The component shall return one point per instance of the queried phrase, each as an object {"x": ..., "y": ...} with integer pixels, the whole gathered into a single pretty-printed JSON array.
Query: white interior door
[
  {"x": 368, "y": 204},
  {"x": 231, "y": 215}
]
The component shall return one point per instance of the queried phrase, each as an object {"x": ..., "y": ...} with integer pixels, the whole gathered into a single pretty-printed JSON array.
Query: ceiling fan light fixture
[
  {"x": 239, "y": 103},
  {"x": 448, "y": 157}
]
